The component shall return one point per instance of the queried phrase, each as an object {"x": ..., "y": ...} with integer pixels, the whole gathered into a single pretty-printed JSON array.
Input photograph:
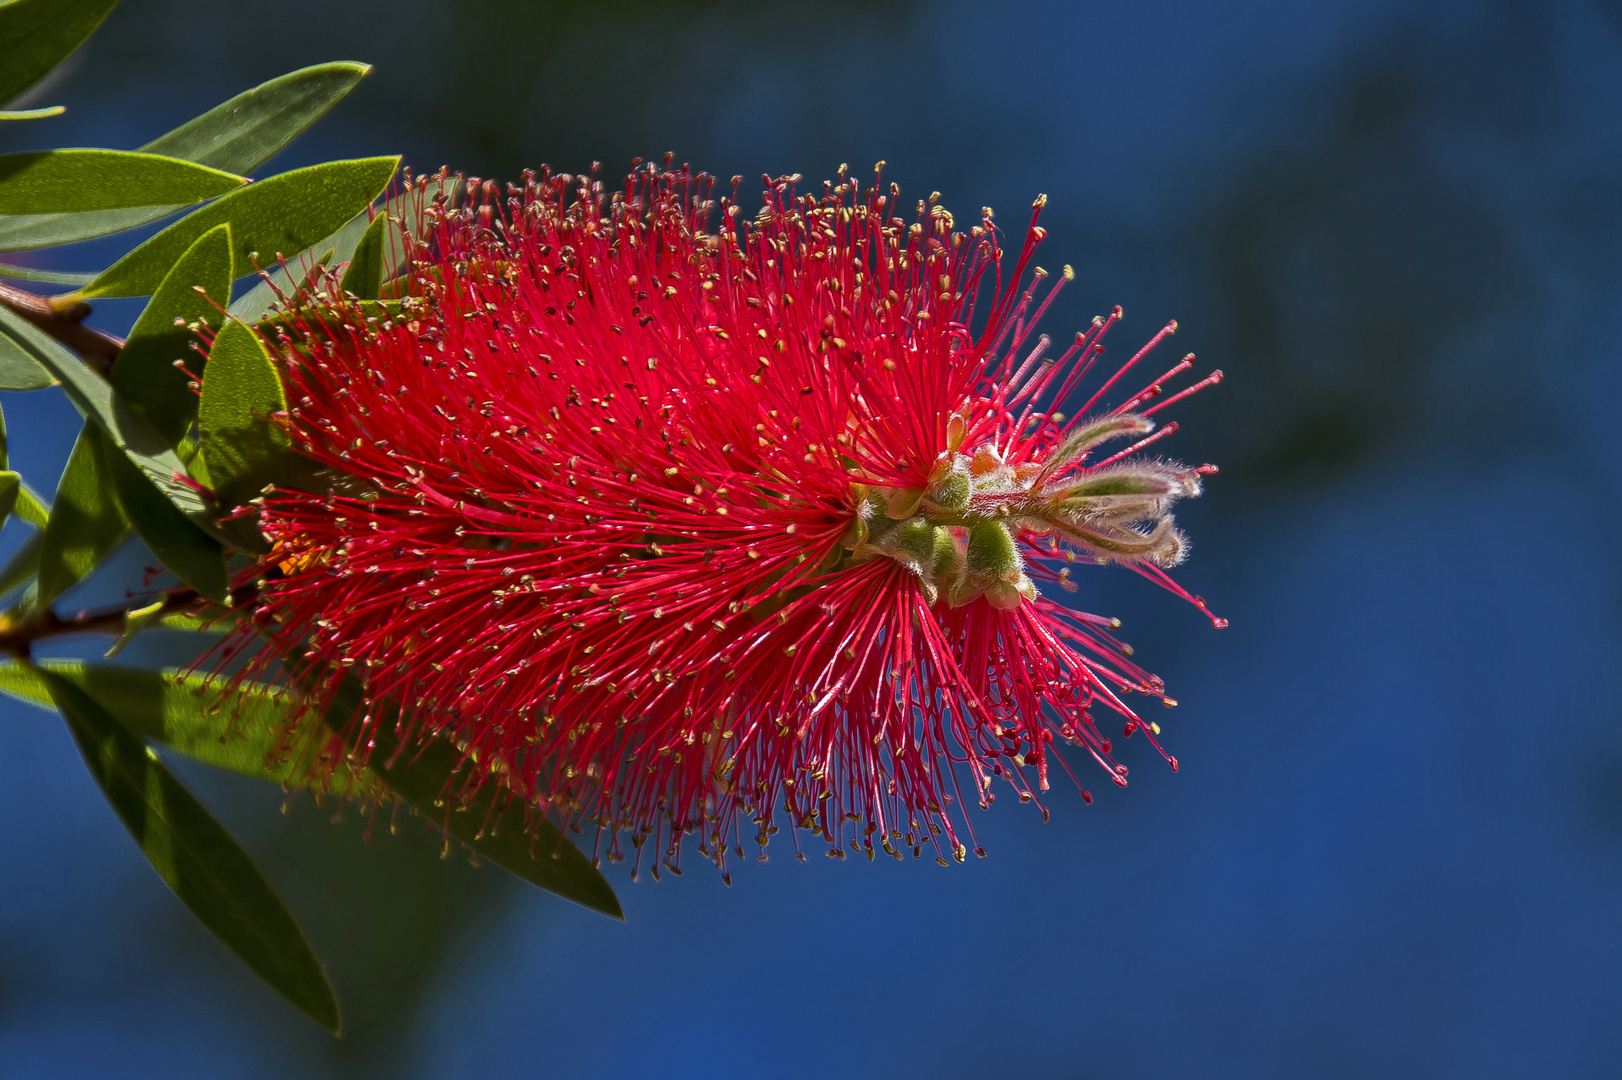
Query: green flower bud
[{"x": 1088, "y": 434}]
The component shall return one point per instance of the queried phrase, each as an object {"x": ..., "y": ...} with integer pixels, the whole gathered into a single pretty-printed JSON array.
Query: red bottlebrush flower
[{"x": 680, "y": 519}]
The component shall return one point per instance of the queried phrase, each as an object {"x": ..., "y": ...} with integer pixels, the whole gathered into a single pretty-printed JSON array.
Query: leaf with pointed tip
[
  {"x": 364, "y": 276},
  {"x": 406, "y": 213},
  {"x": 243, "y": 449},
  {"x": 242, "y": 134},
  {"x": 244, "y": 731},
  {"x": 32, "y": 114},
  {"x": 86, "y": 520},
  {"x": 491, "y": 823},
  {"x": 54, "y": 277},
  {"x": 31, "y": 509},
  {"x": 37, "y": 35},
  {"x": 238, "y": 136},
  {"x": 145, "y": 372},
  {"x": 196, "y": 857},
  {"x": 286, "y": 213},
  {"x": 96, "y": 400},
  {"x": 85, "y": 181},
  {"x": 186, "y": 551},
  {"x": 195, "y": 624}
]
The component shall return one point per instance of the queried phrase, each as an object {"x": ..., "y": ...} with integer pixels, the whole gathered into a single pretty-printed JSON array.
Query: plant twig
[
  {"x": 18, "y": 635},
  {"x": 63, "y": 319}
]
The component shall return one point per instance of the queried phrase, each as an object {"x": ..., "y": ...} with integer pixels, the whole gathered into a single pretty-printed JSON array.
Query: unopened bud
[{"x": 1088, "y": 434}]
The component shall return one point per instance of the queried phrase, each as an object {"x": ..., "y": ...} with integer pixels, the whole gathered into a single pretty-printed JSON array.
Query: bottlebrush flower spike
[{"x": 679, "y": 520}]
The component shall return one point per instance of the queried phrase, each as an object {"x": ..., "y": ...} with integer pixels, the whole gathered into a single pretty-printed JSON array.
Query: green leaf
[
  {"x": 85, "y": 181},
  {"x": 428, "y": 776},
  {"x": 86, "y": 521},
  {"x": 242, "y": 134},
  {"x": 364, "y": 277},
  {"x": 285, "y": 213},
  {"x": 54, "y": 277},
  {"x": 145, "y": 372},
  {"x": 10, "y": 484},
  {"x": 3, "y": 459},
  {"x": 404, "y": 211},
  {"x": 280, "y": 281},
  {"x": 195, "y": 624},
  {"x": 243, "y": 450},
  {"x": 237, "y": 136},
  {"x": 32, "y": 114},
  {"x": 186, "y": 551},
  {"x": 196, "y": 857},
  {"x": 95, "y": 398},
  {"x": 26, "y": 232},
  {"x": 23, "y": 564},
  {"x": 19, "y": 370},
  {"x": 30, "y": 509},
  {"x": 244, "y": 731},
  {"x": 37, "y": 35}
]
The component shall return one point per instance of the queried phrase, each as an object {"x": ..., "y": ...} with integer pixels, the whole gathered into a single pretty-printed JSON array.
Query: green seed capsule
[
  {"x": 914, "y": 542},
  {"x": 948, "y": 555},
  {"x": 950, "y": 494},
  {"x": 992, "y": 552}
]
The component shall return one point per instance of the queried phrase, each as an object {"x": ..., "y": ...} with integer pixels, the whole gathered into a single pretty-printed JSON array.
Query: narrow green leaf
[
  {"x": 364, "y": 276},
  {"x": 405, "y": 213},
  {"x": 28, "y": 232},
  {"x": 54, "y": 277},
  {"x": 196, "y": 857},
  {"x": 529, "y": 846},
  {"x": 85, "y": 181},
  {"x": 3, "y": 449},
  {"x": 196, "y": 624},
  {"x": 244, "y": 451},
  {"x": 23, "y": 564},
  {"x": 244, "y": 731},
  {"x": 33, "y": 114},
  {"x": 237, "y": 136},
  {"x": 86, "y": 521},
  {"x": 10, "y": 484},
  {"x": 95, "y": 398},
  {"x": 286, "y": 213},
  {"x": 37, "y": 35},
  {"x": 19, "y": 370},
  {"x": 145, "y": 372},
  {"x": 186, "y": 551},
  {"x": 242, "y": 134},
  {"x": 31, "y": 509}
]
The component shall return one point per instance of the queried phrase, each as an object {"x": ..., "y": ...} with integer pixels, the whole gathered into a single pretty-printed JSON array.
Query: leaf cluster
[{"x": 176, "y": 444}]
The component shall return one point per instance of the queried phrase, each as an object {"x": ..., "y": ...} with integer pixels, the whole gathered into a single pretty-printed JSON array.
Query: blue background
[{"x": 1395, "y": 845}]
